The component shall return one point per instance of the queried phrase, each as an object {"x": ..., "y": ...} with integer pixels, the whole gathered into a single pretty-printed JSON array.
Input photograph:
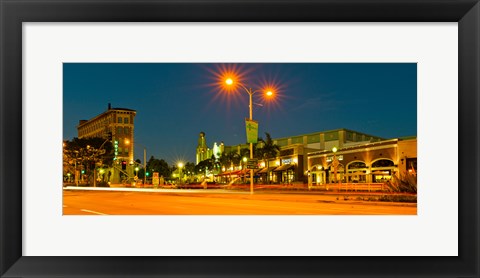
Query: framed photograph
[{"x": 64, "y": 62}]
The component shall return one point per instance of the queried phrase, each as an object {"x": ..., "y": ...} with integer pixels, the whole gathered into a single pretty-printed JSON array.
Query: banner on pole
[{"x": 252, "y": 130}]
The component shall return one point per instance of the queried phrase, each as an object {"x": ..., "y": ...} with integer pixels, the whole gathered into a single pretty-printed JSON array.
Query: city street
[{"x": 222, "y": 202}]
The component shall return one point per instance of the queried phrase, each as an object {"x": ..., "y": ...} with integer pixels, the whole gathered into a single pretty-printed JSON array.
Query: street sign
[
  {"x": 252, "y": 164},
  {"x": 252, "y": 161}
]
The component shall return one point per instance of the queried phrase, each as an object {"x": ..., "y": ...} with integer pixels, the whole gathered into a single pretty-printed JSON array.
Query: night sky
[{"x": 175, "y": 102}]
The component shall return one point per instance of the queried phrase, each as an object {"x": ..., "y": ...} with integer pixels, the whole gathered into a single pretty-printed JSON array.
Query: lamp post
[
  {"x": 180, "y": 166},
  {"x": 136, "y": 172},
  {"x": 335, "y": 165},
  {"x": 230, "y": 82},
  {"x": 127, "y": 142},
  {"x": 244, "y": 159}
]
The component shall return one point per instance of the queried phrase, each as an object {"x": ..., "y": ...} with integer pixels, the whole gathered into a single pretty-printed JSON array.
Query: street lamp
[
  {"x": 243, "y": 168},
  {"x": 335, "y": 164},
  {"x": 180, "y": 166},
  {"x": 250, "y": 91},
  {"x": 127, "y": 142}
]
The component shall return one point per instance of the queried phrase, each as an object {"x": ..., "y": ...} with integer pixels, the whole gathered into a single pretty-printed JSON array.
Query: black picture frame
[{"x": 14, "y": 12}]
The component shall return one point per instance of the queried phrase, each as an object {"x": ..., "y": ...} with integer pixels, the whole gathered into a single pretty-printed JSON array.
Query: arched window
[
  {"x": 357, "y": 165},
  {"x": 382, "y": 163},
  {"x": 382, "y": 170},
  {"x": 356, "y": 171}
]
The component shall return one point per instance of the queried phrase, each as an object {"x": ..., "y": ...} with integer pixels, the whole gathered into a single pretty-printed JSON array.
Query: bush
[
  {"x": 406, "y": 183},
  {"x": 399, "y": 198},
  {"x": 102, "y": 184}
]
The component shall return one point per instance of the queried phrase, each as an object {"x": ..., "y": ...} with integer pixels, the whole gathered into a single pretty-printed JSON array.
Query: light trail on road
[
  {"x": 94, "y": 212},
  {"x": 204, "y": 203}
]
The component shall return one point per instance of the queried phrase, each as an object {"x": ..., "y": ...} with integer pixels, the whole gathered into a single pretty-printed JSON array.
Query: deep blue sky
[{"x": 175, "y": 102}]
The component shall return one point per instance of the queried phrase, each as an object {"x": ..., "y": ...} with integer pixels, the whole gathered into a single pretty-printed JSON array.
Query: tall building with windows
[{"x": 120, "y": 123}]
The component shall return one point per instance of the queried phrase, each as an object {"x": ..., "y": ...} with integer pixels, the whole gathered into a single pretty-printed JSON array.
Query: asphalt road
[{"x": 198, "y": 202}]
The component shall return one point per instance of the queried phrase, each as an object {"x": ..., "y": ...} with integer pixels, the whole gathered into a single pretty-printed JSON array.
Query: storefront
[
  {"x": 286, "y": 173},
  {"x": 375, "y": 162}
]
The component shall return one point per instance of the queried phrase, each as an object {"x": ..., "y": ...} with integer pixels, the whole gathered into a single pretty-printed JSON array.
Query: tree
[
  {"x": 206, "y": 165},
  {"x": 189, "y": 169},
  {"x": 224, "y": 160},
  {"x": 244, "y": 153},
  {"x": 215, "y": 164},
  {"x": 91, "y": 148},
  {"x": 228, "y": 160},
  {"x": 86, "y": 153},
  {"x": 267, "y": 151},
  {"x": 160, "y": 166}
]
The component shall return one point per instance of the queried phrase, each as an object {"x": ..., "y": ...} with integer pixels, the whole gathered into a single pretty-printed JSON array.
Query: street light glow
[{"x": 230, "y": 79}]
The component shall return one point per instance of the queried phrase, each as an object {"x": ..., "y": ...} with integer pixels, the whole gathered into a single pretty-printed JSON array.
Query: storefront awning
[
  {"x": 283, "y": 167},
  {"x": 264, "y": 170}
]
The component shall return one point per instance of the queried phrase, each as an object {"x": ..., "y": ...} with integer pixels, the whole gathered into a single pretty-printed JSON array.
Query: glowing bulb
[
  {"x": 269, "y": 93},
  {"x": 229, "y": 81}
]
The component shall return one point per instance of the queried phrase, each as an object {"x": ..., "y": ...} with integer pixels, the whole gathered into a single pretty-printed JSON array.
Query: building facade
[
  {"x": 326, "y": 140},
  {"x": 373, "y": 162},
  {"x": 308, "y": 158},
  {"x": 120, "y": 123}
]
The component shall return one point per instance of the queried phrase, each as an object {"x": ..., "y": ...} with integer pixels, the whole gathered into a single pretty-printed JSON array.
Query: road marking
[{"x": 91, "y": 211}]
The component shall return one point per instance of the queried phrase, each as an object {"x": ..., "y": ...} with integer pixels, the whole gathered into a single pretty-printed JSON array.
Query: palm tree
[
  {"x": 206, "y": 165},
  {"x": 214, "y": 164},
  {"x": 223, "y": 160},
  {"x": 267, "y": 150},
  {"x": 244, "y": 153}
]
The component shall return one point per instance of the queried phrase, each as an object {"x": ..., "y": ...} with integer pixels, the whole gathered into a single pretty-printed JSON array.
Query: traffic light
[
  {"x": 147, "y": 173},
  {"x": 110, "y": 136},
  {"x": 83, "y": 171},
  {"x": 124, "y": 165}
]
